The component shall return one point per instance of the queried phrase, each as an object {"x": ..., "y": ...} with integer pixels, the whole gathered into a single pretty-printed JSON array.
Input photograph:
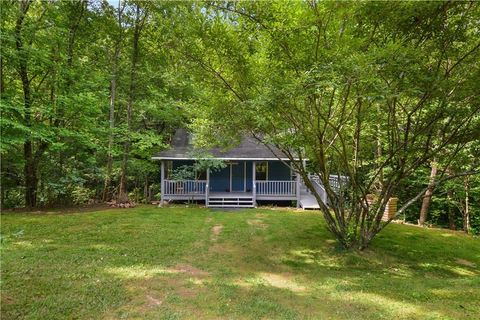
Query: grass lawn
[{"x": 186, "y": 263}]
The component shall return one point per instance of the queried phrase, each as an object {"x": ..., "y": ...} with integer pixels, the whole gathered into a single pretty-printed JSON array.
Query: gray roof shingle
[{"x": 249, "y": 148}]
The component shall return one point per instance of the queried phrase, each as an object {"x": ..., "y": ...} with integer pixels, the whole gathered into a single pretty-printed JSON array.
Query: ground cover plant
[{"x": 184, "y": 263}]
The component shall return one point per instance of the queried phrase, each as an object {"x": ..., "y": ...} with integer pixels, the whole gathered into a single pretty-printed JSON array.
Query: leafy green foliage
[
  {"x": 203, "y": 163},
  {"x": 374, "y": 97},
  {"x": 358, "y": 88},
  {"x": 68, "y": 51}
]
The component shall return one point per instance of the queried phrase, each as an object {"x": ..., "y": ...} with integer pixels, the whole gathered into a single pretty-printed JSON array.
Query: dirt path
[{"x": 216, "y": 230}]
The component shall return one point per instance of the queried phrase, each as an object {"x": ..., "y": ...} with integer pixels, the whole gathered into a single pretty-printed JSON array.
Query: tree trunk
[
  {"x": 451, "y": 212},
  {"x": 113, "y": 95},
  {"x": 122, "y": 193},
  {"x": 30, "y": 176},
  {"x": 450, "y": 209},
  {"x": 427, "y": 198},
  {"x": 113, "y": 92},
  {"x": 466, "y": 211},
  {"x": 145, "y": 190},
  {"x": 75, "y": 16},
  {"x": 2, "y": 85},
  {"x": 2, "y": 90},
  {"x": 30, "y": 171},
  {"x": 378, "y": 153}
]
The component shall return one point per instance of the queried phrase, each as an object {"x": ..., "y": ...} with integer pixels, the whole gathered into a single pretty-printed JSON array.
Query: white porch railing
[
  {"x": 185, "y": 187},
  {"x": 317, "y": 184},
  {"x": 336, "y": 182},
  {"x": 281, "y": 188}
]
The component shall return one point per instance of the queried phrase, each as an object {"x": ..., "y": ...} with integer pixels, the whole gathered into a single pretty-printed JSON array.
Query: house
[{"x": 253, "y": 172}]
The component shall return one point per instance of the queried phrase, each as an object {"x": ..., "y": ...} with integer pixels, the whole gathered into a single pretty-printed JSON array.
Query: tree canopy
[
  {"x": 383, "y": 93},
  {"x": 371, "y": 91}
]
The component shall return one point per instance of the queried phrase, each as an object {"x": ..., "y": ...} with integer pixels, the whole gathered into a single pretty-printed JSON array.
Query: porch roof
[{"x": 248, "y": 149}]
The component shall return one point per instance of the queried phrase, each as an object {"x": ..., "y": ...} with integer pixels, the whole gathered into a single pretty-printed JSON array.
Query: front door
[
  {"x": 220, "y": 180},
  {"x": 237, "y": 176}
]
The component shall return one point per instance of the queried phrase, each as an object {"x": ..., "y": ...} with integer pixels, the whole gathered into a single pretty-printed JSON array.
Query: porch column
[
  {"x": 207, "y": 187},
  {"x": 304, "y": 163},
  {"x": 162, "y": 183},
  {"x": 298, "y": 190},
  {"x": 254, "y": 185}
]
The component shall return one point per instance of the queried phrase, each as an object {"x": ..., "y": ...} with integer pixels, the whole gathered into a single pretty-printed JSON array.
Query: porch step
[
  {"x": 308, "y": 201},
  {"x": 230, "y": 202}
]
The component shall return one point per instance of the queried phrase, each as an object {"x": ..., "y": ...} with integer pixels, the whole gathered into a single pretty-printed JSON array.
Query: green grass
[{"x": 171, "y": 263}]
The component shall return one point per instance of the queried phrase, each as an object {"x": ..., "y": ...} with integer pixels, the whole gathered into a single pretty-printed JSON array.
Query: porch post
[
  {"x": 162, "y": 183},
  {"x": 308, "y": 174},
  {"x": 254, "y": 185},
  {"x": 298, "y": 190},
  {"x": 207, "y": 187}
]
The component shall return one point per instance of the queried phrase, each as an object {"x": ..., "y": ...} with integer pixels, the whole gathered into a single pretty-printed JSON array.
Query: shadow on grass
[{"x": 159, "y": 264}]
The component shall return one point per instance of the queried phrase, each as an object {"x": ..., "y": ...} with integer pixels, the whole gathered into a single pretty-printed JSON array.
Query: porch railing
[
  {"x": 281, "y": 188},
  {"x": 184, "y": 187}
]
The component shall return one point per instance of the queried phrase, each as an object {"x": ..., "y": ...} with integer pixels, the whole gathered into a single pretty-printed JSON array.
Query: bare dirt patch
[
  {"x": 282, "y": 281},
  {"x": 257, "y": 223},
  {"x": 148, "y": 294},
  {"x": 225, "y": 248},
  {"x": 190, "y": 270},
  {"x": 6, "y": 299},
  {"x": 61, "y": 210},
  {"x": 277, "y": 280},
  {"x": 152, "y": 301},
  {"x": 186, "y": 292},
  {"x": 466, "y": 263},
  {"x": 216, "y": 230}
]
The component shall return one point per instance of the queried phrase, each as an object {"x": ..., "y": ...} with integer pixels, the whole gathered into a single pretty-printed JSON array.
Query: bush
[
  {"x": 81, "y": 195},
  {"x": 14, "y": 198}
]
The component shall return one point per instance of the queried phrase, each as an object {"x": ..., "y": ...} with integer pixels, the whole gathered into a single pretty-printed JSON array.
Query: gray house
[{"x": 253, "y": 172}]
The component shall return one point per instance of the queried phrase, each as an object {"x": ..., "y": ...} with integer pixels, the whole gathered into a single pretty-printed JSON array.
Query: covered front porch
[{"x": 239, "y": 184}]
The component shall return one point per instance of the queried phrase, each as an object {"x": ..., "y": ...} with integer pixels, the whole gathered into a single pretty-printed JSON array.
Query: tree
[
  {"x": 30, "y": 161},
  {"x": 137, "y": 25},
  {"x": 428, "y": 195},
  {"x": 322, "y": 81},
  {"x": 68, "y": 119},
  {"x": 113, "y": 97}
]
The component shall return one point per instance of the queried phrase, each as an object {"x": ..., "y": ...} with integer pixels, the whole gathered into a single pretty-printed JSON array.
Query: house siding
[
  {"x": 238, "y": 174},
  {"x": 278, "y": 171},
  {"x": 220, "y": 180}
]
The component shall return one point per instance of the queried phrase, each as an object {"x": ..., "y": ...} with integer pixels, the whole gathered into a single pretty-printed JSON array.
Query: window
[{"x": 261, "y": 170}]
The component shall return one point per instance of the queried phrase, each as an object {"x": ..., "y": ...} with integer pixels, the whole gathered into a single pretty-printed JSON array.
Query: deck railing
[
  {"x": 319, "y": 188},
  {"x": 281, "y": 188},
  {"x": 336, "y": 182},
  {"x": 185, "y": 187}
]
